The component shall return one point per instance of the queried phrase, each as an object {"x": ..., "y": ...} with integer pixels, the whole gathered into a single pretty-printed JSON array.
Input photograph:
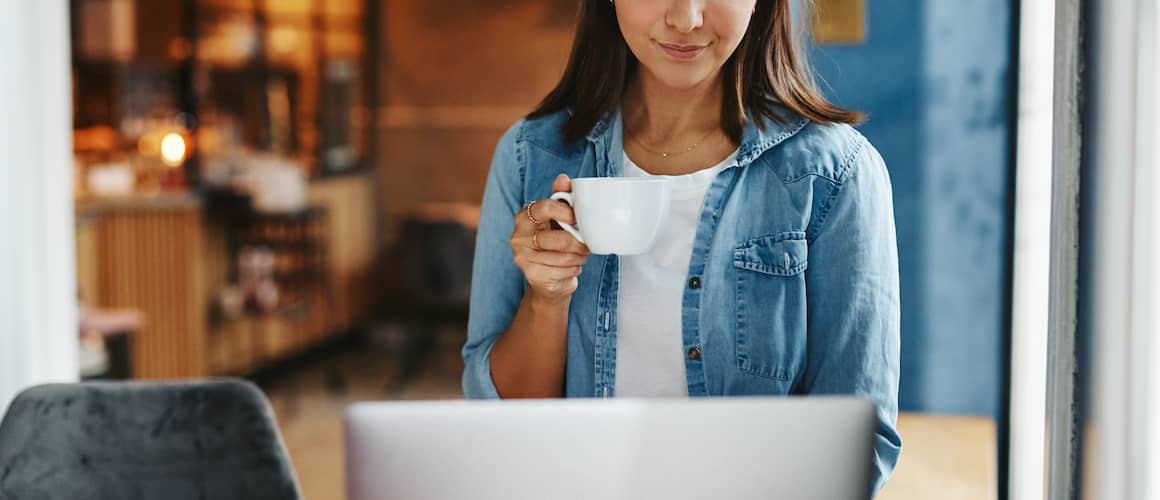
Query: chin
[{"x": 682, "y": 78}]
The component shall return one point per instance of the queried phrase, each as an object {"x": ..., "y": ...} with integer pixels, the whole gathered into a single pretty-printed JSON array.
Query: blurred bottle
[{"x": 256, "y": 278}]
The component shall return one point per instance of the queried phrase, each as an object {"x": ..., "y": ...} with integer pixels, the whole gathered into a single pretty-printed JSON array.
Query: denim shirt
[{"x": 792, "y": 286}]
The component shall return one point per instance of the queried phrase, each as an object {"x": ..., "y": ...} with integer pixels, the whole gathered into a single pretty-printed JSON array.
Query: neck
[{"x": 658, "y": 114}]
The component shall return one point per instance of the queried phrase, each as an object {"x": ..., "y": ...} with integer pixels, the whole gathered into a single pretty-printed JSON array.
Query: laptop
[{"x": 618, "y": 449}]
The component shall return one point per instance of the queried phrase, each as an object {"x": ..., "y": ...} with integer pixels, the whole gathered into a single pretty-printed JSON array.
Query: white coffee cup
[{"x": 617, "y": 215}]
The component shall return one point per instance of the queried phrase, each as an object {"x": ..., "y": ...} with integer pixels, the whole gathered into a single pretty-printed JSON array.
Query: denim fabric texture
[{"x": 795, "y": 257}]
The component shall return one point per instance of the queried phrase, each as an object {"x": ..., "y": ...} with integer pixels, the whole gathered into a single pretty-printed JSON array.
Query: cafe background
[{"x": 286, "y": 190}]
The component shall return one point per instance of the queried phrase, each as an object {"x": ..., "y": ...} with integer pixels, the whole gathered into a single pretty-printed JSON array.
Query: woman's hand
[{"x": 550, "y": 258}]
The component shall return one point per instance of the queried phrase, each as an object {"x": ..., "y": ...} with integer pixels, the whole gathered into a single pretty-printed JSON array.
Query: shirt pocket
[{"x": 771, "y": 304}]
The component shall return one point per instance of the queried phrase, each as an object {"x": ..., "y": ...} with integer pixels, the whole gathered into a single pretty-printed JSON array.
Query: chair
[
  {"x": 134, "y": 440},
  {"x": 429, "y": 284}
]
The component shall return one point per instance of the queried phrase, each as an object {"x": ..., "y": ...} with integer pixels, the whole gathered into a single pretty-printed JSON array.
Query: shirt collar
[{"x": 755, "y": 140}]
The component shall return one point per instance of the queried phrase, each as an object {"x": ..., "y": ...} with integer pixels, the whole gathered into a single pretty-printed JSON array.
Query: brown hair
[{"x": 764, "y": 73}]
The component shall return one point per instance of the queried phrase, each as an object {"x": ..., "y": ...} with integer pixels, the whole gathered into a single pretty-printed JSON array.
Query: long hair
[{"x": 766, "y": 72}]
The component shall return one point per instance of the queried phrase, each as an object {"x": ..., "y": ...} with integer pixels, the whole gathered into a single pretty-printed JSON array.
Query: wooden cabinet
[
  {"x": 351, "y": 211},
  {"x": 149, "y": 254},
  {"x": 161, "y": 256}
]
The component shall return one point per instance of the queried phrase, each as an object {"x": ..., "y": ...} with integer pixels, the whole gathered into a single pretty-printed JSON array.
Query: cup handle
[{"x": 566, "y": 197}]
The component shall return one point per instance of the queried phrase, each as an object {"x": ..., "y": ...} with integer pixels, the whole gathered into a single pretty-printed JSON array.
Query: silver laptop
[{"x": 670, "y": 449}]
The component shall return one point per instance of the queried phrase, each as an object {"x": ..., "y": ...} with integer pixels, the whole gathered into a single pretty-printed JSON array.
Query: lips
[{"x": 681, "y": 51}]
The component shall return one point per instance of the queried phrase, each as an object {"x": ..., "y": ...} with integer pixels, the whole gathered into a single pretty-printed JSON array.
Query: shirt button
[
  {"x": 695, "y": 283},
  {"x": 695, "y": 353}
]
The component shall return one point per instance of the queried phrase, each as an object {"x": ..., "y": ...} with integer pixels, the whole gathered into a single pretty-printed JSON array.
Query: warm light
[
  {"x": 283, "y": 40},
  {"x": 173, "y": 149},
  {"x": 149, "y": 145}
]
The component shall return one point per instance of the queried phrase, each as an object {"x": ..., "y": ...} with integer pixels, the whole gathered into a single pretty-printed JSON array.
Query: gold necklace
[{"x": 665, "y": 155}]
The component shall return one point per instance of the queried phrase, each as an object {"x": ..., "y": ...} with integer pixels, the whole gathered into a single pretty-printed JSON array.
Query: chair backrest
[
  {"x": 135, "y": 440},
  {"x": 437, "y": 259}
]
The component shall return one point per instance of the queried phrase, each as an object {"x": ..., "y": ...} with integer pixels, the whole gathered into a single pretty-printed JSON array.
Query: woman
[{"x": 778, "y": 270}]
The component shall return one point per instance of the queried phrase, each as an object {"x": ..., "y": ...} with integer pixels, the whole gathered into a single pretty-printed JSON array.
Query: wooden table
[{"x": 944, "y": 457}]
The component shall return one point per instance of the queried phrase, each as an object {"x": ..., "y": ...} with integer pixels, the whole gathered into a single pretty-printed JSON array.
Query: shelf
[
  {"x": 152, "y": 64},
  {"x": 302, "y": 215},
  {"x": 296, "y": 279},
  {"x": 310, "y": 244},
  {"x": 181, "y": 200},
  {"x": 348, "y": 19}
]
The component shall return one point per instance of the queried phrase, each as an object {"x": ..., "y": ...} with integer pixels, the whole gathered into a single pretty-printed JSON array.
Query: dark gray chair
[
  {"x": 428, "y": 285},
  {"x": 211, "y": 439}
]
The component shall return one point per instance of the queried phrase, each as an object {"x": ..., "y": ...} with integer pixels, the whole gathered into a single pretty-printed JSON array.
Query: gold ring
[
  {"x": 528, "y": 210},
  {"x": 535, "y": 241}
]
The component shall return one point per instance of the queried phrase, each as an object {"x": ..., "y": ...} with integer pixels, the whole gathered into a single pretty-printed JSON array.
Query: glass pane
[
  {"x": 344, "y": 8},
  {"x": 292, "y": 54},
  {"x": 344, "y": 44},
  {"x": 226, "y": 37},
  {"x": 244, "y": 5},
  {"x": 290, "y": 8}
]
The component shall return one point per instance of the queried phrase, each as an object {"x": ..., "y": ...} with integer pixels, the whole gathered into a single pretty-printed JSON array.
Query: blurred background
[{"x": 287, "y": 190}]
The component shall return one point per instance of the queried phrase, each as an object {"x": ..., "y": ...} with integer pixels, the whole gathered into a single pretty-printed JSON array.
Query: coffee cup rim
[{"x": 621, "y": 179}]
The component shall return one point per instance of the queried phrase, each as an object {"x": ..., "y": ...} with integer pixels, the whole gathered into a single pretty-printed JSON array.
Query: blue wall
[{"x": 932, "y": 76}]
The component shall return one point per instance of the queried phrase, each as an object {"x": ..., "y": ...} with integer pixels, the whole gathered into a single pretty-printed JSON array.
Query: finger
[
  {"x": 549, "y": 210},
  {"x": 558, "y": 241},
  {"x": 524, "y": 224},
  {"x": 562, "y": 184},
  {"x": 556, "y": 259},
  {"x": 544, "y": 211},
  {"x": 549, "y": 241}
]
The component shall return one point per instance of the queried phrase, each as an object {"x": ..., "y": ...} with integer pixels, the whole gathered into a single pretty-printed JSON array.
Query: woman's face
[{"x": 683, "y": 43}]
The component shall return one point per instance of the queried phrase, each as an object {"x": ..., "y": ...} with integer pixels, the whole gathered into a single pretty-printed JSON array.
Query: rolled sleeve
[
  {"x": 497, "y": 285},
  {"x": 853, "y": 296}
]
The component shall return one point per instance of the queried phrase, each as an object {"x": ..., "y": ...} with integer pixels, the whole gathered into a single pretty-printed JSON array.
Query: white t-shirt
[{"x": 650, "y": 351}]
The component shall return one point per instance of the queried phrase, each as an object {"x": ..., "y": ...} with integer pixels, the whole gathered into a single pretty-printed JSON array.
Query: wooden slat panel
[
  {"x": 152, "y": 260},
  {"x": 88, "y": 261}
]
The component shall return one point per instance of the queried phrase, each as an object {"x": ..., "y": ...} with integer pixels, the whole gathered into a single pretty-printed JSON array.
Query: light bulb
[{"x": 173, "y": 149}]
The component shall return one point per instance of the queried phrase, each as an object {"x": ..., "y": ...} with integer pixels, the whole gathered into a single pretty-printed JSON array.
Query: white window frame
[
  {"x": 38, "y": 325},
  {"x": 1106, "y": 446},
  {"x": 1032, "y": 254}
]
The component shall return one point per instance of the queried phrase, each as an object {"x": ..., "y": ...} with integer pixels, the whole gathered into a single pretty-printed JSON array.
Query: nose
[{"x": 685, "y": 15}]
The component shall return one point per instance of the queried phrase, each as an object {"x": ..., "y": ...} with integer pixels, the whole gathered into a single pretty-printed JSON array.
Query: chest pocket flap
[{"x": 782, "y": 254}]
